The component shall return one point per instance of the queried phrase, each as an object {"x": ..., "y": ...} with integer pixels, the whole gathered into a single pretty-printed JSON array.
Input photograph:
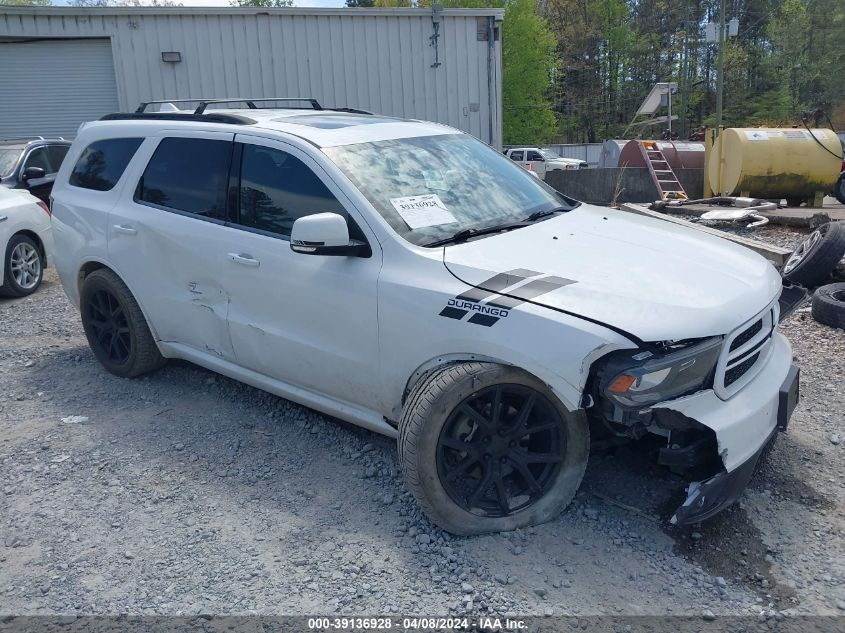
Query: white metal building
[{"x": 60, "y": 66}]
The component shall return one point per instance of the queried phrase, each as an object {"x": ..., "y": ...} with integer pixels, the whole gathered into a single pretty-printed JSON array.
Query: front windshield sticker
[{"x": 422, "y": 211}]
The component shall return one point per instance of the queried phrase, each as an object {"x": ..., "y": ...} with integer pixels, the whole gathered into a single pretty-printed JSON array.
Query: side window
[
  {"x": 56, "y": 154},
  {"x": 534, "y": 156},
  {"x": 517, "y": 156},
  {"x": 188, "y": 174},
  {"x": 102, "y": 163},
  {"x": 277, "y": 188},
  {"x": 38, "y": 158}
]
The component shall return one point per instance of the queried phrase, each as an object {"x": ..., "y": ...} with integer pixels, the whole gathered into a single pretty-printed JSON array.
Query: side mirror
[
  {"x": 325, "y": 234},
  {"x": 32, "y": 173}
]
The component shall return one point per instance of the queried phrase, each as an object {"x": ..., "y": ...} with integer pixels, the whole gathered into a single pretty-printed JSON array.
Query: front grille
[
  {"x": 747, "y": 335},
  {"x": 744, "y": 352},
  {"x": 738, "y": 371}
]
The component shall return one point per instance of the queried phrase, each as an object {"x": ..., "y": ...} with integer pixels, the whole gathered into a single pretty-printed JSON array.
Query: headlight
[{"x": 637, "y": 379}]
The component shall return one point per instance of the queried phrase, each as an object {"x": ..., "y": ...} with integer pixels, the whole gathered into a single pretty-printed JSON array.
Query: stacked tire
[
  {"x": 829, "y": 305},
  {"x": 811, "y": 266}
]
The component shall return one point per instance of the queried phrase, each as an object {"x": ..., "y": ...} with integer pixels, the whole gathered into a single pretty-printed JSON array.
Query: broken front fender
[
  {"x": 791, "y": 298},
  {"x": 744, "y": 421},
  {"x": 743, "y": 425},
  {"x": 709, "y": 497}
]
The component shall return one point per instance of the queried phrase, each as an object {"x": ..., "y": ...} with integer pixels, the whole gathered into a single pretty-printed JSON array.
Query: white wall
[{"x": 373, "y": 59}]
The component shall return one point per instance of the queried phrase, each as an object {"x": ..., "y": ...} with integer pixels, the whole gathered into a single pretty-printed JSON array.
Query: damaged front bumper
[{"x": 743, "y": 426}]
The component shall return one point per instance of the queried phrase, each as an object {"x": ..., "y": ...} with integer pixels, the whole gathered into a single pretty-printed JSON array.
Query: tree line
[{"x": 577, "y": 70}]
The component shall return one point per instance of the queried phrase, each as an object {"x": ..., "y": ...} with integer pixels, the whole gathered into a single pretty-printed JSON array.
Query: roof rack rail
[
  {"x": 204, "y": 103},
  {"x": 32, "y": 138},
  {"x": 213, "y": 117}
]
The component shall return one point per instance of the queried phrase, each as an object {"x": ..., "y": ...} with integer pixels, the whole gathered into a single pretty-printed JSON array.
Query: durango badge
[{"x": 501, "y": 301}]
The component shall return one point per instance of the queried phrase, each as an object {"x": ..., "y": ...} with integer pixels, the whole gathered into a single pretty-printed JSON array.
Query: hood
[
  {"x": 650, "y": 278},
  {"x": 13, "y": 197}
]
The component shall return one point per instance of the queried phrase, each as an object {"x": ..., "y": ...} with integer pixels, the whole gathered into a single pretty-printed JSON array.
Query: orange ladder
[{"x": 667, "y": 183}]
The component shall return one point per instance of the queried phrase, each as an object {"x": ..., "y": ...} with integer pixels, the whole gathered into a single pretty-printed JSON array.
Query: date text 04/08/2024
[{"x": 387, "y": 623}]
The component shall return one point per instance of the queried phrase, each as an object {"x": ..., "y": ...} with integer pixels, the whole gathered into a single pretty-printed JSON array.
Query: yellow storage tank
[{"x": 775, "y": 163}]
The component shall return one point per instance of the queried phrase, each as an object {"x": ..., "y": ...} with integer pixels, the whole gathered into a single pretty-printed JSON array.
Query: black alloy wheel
[
  {"x": 110, "y": 326},
  {"x": 500, "y": 450}
]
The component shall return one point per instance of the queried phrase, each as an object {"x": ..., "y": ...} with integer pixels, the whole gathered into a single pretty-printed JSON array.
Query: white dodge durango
[{"x": 405, "y": 277}]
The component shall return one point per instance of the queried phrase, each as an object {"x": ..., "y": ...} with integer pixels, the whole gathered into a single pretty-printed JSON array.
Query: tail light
[{"x": 44, "y": 206}]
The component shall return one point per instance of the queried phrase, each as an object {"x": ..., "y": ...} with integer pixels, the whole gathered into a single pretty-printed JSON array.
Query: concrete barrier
[{"x": 597, "y": 186}]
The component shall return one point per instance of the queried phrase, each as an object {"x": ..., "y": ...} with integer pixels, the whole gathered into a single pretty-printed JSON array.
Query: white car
[
  {"x": 541, "y": 161},
  {"x": 26, "y": 241},
  {"x": 405, "y": 277}
]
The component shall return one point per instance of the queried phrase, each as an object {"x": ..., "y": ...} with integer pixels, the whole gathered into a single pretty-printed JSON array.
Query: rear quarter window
[{"x": 102, "y": 163}]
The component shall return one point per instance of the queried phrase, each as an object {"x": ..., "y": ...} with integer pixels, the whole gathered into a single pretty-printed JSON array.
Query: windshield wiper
[
  {"x": 464, "y": 234},
  {"x": 538, "y": 215}
]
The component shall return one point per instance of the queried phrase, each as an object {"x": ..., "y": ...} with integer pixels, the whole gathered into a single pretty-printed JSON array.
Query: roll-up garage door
[{"x": 50, "y": 87}]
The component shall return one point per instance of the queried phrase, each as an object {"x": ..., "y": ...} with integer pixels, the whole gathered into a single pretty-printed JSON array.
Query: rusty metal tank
[
  {"x": 679, "y": 154},
  {"x": 775, "y": 163}
]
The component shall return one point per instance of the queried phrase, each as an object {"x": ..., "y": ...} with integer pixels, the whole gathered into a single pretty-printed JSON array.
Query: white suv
[{"x": 405, "y": 277}]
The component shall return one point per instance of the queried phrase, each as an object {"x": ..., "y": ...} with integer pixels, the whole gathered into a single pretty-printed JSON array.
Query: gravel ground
[{"x": 185, "y": 492}]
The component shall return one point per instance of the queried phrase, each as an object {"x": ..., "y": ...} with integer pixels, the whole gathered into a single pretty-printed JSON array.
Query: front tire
[
  {"x": 116, "y": 329},
  {"x": 489, "y": 448},
  {"x": 23, "y": 267}
]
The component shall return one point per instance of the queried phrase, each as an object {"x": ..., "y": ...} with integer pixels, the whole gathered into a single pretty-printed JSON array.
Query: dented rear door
[{"x": 167, "y": 236}]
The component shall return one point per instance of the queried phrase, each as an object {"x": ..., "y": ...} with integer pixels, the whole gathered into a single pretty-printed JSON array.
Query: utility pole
[
  {"x": 720, "y": 67},
  {"x": 669, "y": 99},
  {"x": 685, "y": 78}
]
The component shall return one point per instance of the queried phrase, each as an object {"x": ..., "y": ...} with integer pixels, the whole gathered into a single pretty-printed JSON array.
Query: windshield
[
  {"x": 8, "y": 159},
  {"x": 430, "y": 187},
  {"x": 549, "y": 154}
]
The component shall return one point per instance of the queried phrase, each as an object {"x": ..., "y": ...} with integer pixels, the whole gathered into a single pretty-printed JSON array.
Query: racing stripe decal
[
  {"x": 488, "y": 314},
  {"x": 529, "y": 291},
  {"x": 483, "y": 319},
  {"x": 496, "y": 284},
  {"x": 453, "y": 313}
]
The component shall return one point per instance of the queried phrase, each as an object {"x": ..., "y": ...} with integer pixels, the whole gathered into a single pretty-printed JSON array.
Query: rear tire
[
  {"x": 829, "y": 305},
  {"x": 815, "y": 258},
  {"x": 529, "y": 458},
  {"x": 115, "y": 326},
  {"x": 23, "y": 267}
]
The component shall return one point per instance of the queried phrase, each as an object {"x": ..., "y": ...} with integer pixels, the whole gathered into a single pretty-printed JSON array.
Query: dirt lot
[{"x": 185, "y": 492}]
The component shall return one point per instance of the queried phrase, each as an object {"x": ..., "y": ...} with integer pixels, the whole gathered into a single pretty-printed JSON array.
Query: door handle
[
  {"x": 3, "y": 218},
  {"x": 244, "y": 260},
  {"x": 126, "y": 230}
]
